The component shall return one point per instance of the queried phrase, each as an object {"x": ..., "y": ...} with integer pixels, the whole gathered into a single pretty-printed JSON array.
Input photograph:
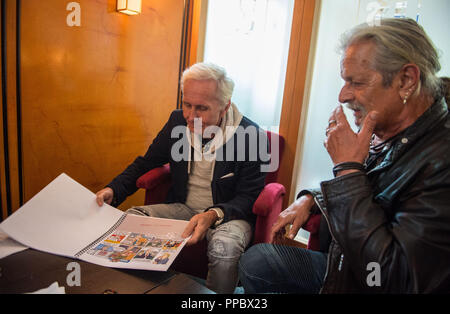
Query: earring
[{"x": 405, "y": 99}]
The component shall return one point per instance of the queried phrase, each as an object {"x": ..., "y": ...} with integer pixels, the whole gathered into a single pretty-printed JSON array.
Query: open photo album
[{"x": 64, "y": 219}]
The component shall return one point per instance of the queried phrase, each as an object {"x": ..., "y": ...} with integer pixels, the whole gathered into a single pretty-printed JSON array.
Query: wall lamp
[{"x": 130, "y": 7}]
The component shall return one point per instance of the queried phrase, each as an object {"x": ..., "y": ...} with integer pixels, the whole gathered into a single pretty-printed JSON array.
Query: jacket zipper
[
  {"x": 341, "y": 260},
  {"x": 332, "y": 236}
]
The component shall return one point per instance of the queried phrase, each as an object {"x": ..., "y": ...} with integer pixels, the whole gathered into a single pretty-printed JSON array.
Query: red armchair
[
  {"x": 312, "y": 225},
  {"x": 193, "y": 259}
]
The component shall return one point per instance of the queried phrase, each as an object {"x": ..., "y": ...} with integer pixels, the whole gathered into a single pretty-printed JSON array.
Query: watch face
[
  {"x": 218, "y": 212},
  {"x": 220, "y": 216}
]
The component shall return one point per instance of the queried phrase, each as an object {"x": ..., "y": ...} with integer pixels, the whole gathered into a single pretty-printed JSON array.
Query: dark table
[{"x": 31, "y": 270}]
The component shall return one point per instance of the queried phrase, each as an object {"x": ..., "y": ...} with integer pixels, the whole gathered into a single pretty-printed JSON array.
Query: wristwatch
[{"x": 220, "y": 214}]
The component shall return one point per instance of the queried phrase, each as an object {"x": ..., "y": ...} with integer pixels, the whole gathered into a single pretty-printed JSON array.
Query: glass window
[{"x": 250, "y": 39}]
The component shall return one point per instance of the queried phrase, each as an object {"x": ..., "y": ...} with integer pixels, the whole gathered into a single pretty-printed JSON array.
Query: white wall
[
  {"x": 314, "y": 163},
  {"x": 435, "y": 20}
]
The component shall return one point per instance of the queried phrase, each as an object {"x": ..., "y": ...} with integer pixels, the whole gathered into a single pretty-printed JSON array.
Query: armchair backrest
[
  {"x": 276, "y": 142},
  {"x": 269, "y": 203}
]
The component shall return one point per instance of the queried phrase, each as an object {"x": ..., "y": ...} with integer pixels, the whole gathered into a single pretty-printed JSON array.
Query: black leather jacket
[{"x": 397, "y": 215}]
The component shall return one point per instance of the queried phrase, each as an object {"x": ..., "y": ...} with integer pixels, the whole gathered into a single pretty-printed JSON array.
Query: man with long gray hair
[
  {"x": 214, "y": 190},
  {"x": 385, "y": 221}
]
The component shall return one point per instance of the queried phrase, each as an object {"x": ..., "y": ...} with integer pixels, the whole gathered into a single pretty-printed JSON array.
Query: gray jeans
[{"x": 226, "y": 243}]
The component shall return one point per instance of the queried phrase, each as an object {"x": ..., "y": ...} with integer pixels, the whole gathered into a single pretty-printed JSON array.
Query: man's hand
[
  {"x": 105, "y": 196},
  {"x": 296, "y": 214},
  {"x": 342, "y": 144},
  {"x": 198, "y": 225}
]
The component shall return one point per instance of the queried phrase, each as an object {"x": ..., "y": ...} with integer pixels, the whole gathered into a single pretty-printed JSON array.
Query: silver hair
[
  {"x": 399, "y": 42},
  {"x": 211, "y": 71}
]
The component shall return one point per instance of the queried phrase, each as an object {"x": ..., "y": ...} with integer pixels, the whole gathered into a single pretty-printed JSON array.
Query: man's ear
[
  {"x": 409, "y": 80},
  {"x": 224, "y": 110}
]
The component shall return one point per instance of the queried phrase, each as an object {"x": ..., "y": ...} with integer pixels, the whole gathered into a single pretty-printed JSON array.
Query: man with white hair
[
  {"x": 212, "y": 186},
  {"x": 386, "y": 215}
]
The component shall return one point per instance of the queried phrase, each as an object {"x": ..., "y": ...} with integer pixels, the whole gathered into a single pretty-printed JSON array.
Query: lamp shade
[{"x": 130, "y": 7}]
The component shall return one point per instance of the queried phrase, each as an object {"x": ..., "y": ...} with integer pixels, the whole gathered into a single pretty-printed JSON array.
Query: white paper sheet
[
  {"x": 61, "y": 219},
  {"x": 9, "y": 246},
  {"x": 54, "y": 288}
]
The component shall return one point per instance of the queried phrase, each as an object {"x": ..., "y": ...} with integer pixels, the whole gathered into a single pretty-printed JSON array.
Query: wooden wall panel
[
  {"x": 3, "y": 194},
  {"x": 10, "y": 177},
  {"x": 94, "y": 96}
]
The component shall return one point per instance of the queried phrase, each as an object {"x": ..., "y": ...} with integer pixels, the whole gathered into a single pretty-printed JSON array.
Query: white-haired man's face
[{"x": 200, "y": 102}]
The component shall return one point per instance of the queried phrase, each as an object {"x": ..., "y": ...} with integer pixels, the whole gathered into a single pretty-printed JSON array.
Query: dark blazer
[{"x": 234, "y": 194}]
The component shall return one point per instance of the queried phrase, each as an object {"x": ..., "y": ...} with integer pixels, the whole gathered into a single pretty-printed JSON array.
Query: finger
[
  {"x": 278, "y": 229},
  {"x": 197, "y": 236},
  {"x": 295, "y": 228},
  {"x": 275, "y": 229},
  {"x": 108, "y": 200},
  {"x": 273, "y": 236},
  {"x": 189, "y": 229},
  {"x": 333, "y": 114},
  {"x": 340, "y": 117},
  {"x": 365, "y": 134},
  {"x": 278, "y": 238},
  {"x": 332, "y": 119},
  {"x": 293, "y": 232},
  {"x": 99, "y": 199}
]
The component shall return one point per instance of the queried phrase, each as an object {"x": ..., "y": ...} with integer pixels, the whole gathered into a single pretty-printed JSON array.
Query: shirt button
[{"x": 404, "y": 140}]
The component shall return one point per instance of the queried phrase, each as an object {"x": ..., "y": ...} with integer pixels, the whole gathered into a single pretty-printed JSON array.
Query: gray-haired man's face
[
  {"x": 363, "y": 90},
  {"x": 200, "y": 103}
]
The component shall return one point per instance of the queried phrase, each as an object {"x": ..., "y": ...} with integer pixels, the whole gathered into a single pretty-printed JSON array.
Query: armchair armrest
[
  {"x": 267, "y": 207},
  {"x": 154, "y": 177},
  {"x": 156, "y": 183},
  {"x": 271, "y": 193}
]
